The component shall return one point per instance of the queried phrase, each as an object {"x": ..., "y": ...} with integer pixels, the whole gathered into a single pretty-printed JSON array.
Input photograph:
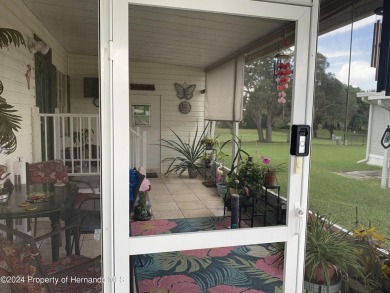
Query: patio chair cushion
[
  {"x": 88, "y": 273},
  {"x": 47, "y": 172},
  {"x": 18, "y": 260}
]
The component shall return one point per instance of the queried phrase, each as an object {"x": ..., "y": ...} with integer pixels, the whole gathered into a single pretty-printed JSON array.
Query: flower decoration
[
  {"x": 265, "y": 160},
  {"x": 283, "y": 74},
  {"x": 219, "y": 174},
  {"x": 268, "y": 167}
]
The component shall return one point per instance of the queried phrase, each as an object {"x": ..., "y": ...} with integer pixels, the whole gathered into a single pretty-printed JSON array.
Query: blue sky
[{"x": 335, "y": 46}]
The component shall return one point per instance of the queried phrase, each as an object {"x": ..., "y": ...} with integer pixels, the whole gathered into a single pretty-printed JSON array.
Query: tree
[
  {"x": 330, "y": 99},
  {"x": 261, "y": 104}
]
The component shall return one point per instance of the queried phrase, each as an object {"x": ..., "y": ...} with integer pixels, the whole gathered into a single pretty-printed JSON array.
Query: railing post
[{"x": 144, "y": 145}]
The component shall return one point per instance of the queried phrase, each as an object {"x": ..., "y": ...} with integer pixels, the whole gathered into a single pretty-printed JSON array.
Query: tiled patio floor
[{"x": 181, "y": 197}]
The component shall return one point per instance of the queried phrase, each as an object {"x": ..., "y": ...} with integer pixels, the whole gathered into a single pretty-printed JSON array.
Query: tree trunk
[
  {"x": 268, "y": 133},
  {"x": 315, "y": 129},
  {"x": 256, "y": 116}
]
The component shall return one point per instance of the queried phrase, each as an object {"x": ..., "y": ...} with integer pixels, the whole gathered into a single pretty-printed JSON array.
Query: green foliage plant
[
  {"x": 189, "y": 154},
  {"x": 9, "y": 124},
  {"x": 10, "y": 36},
  {"x": 9, "y": 121},
  {"x": 327, "y": 249}
]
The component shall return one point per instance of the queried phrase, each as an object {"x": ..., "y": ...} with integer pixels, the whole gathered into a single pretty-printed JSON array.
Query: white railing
[
  {"x": 137, "y": 148},
  {"x": 72, "y": 138}
]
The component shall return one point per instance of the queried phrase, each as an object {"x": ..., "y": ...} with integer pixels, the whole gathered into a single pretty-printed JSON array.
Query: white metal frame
[{"x": 114, "y": 110}]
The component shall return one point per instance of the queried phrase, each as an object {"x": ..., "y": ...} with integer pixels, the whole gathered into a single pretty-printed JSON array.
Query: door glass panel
[
  {"x": 141, "y": 115},
  {"x": 250, "y": 268},
  {"x": 169, "y": 54},
  {"x": 59, "y": 138}
]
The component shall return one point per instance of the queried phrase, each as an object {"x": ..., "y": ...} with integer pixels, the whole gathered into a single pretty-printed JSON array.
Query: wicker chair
[{"x": 22, "y": 261}]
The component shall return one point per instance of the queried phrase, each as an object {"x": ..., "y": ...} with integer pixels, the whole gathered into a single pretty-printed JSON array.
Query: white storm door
[
  {"x": 152, "y": 128},
  {"x": 115, "y": 179}
]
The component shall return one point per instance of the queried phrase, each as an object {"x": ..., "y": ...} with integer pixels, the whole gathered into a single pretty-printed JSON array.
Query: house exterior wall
[
  {"x": 163, "y": 76},
  {"x": 81, "y": 66},
  {"x": 13, "y": 67},
  {"x": 379, "y": 122}
]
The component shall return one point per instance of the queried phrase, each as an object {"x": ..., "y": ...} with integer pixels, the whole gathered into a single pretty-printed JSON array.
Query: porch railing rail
[
  {"x": 72, "y": 138},
  {"x": 137, "y": 148}
]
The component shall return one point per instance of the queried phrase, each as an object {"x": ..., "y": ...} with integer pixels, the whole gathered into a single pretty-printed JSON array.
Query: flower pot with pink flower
[{"x": 270, "y": 172}]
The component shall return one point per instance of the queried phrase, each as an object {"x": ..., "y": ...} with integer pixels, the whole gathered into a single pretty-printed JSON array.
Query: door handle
[{"x": 300, "y": 213}]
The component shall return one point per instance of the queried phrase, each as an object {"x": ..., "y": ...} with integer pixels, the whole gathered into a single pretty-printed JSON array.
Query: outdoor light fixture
[
  {"x": 385, "y": 141},
  {"x": 35, "y": 46}
]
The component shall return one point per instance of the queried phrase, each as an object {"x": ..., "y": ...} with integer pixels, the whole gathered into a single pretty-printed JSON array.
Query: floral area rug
[{"x": 240, "y": 269}]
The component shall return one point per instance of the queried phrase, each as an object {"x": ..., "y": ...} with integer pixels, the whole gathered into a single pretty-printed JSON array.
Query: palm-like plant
[
  {"x": 9, "y": 122},
  {"x": 10, "y": 36},
  {"x": 190, "y": 154}
]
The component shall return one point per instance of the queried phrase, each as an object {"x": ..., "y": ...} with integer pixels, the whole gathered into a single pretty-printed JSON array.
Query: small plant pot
[
  {"x": 319, "y": 275},
  {"x": 270, "y": 179},
  {"x": 192, "y": 172},
  {"x": 222, "y": 188}
]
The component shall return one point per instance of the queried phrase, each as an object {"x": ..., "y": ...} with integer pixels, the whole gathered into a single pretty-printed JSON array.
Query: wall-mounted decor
[
  {"x": 184, "y": 91},
  {"x": 185, "y": 107},
  {"x": 142, "y": 87},
  {"x": 96, "y": 102},
  {"x": 28, "y": 75}
]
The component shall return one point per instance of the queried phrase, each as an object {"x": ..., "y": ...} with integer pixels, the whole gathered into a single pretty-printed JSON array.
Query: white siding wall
[
  {"x": 81, "y": 66},
  {"x": 13, "y": 66},
  {"x": 164, "y": 76},
  {"x": 379, "y": 121}
]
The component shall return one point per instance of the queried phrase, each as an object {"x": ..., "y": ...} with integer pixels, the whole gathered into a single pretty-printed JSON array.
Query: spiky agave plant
[{"x": 189, "y": 153}]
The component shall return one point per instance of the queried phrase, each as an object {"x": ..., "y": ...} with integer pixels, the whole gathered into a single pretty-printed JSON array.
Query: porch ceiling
[{"x": 164, "y": 35}]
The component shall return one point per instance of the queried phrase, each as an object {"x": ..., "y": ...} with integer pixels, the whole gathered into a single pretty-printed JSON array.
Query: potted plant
[
  {"x": 143, "y": 210},
  {"x": 330, "y": 254},
  {"x": 210, "y": 142},
  {"x": 270, "y": 172},
  {"x": 376, "y": 264},
  {"x": 189, "y": 154}
]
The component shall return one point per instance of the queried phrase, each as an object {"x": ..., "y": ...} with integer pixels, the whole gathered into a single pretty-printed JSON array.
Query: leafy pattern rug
[{"x": 240, "y": 269}]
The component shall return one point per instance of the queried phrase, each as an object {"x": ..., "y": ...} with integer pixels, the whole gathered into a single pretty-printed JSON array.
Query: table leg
[
  {"x": 10, "y": 224},
  {"x": 55, "y": 238}
]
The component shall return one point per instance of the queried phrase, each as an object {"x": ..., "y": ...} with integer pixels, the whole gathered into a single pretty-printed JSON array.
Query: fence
[
  {"x": 350, "y": 139},
  {"x": 72, "y": 138}
]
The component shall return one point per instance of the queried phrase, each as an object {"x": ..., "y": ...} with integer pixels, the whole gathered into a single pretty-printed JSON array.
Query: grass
[{"x": 329, "y": 192}]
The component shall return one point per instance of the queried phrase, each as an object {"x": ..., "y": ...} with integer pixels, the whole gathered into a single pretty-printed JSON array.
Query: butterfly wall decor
[{"x": 184, "y": 91}]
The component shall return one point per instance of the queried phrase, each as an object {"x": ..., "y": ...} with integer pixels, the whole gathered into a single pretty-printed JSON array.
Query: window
[{"x": 141, "y": 115}]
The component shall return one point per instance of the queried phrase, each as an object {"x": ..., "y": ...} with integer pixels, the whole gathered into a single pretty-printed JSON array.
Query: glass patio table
[{"x": 49, "y": 201}]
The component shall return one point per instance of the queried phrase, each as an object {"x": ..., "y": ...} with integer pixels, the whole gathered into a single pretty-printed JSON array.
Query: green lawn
[{"x": 329, "y": 193}]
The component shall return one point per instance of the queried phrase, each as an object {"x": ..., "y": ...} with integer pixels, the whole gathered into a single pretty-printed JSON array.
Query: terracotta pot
[
  {"x": 270, "y": 179},
  {"x": 319, "y": 275}
]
